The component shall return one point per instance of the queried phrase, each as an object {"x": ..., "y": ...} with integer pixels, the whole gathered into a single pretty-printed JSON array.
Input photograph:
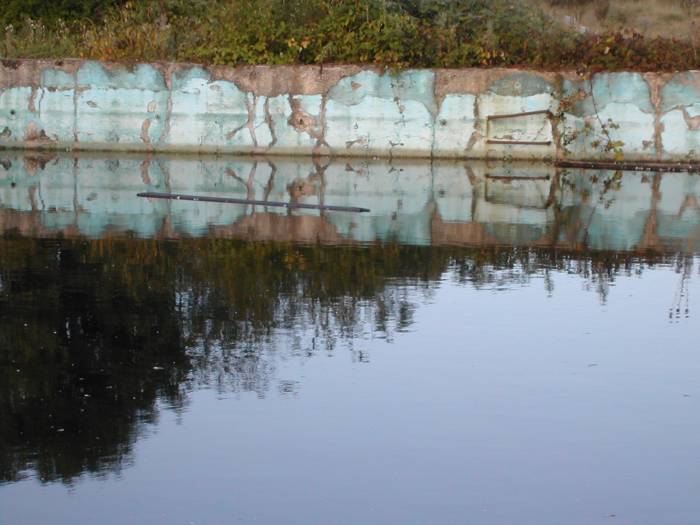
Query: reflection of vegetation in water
[
  {"x": 78, "y": 351},
  {"x": 93, "y": 333},
  {"x": 96, "y": 335}
]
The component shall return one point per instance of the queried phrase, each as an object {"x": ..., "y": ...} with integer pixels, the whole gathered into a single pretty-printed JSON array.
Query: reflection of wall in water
[{"x": 438, "y": 203}]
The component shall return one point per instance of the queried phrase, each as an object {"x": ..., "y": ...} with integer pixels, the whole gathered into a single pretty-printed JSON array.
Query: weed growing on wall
[{"x": 598, "y": 132}]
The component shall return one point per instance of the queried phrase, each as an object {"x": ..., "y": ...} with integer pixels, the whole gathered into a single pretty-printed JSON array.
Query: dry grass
[{"x": 665, "y": 18}]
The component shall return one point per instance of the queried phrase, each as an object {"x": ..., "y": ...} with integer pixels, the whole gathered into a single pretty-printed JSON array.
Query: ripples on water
[{"x": 490, "y": 344}]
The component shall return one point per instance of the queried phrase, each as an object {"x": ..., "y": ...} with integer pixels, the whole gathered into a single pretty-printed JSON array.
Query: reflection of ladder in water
[
  {"x": 681, "y": 300},
  {"x": 545, "y": 202}
]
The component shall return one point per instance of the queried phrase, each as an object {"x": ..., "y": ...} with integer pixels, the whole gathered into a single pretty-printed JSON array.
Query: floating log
[
  {"x": 228, "y": 200},
  {"x": 629, "y": 166}
]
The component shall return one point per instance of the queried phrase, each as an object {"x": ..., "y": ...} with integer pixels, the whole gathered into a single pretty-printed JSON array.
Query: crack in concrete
[
  {"x": 32, "y": 100},
  {"x": 323, "y": 123},
  {"x": 145, "y": 126},
  {"x": 270, "y": 123},
  {"x": 249, "y": 124},
  {"x": 168, "y": 106},
  {"x": 655, "y": 85},
  {"x": 76, "y": 96}
]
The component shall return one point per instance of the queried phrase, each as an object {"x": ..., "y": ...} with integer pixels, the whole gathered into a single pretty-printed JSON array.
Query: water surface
[{"x": 490, "y": 344}]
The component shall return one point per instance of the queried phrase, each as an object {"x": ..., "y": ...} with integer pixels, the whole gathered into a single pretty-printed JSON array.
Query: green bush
[{"x": 48, "y": 12}]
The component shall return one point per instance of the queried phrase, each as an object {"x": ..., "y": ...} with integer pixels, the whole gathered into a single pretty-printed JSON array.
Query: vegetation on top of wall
[
  {"x": 395, "y": 33},
  {"x": 679, "y": 18},
  {"x": 50, "y": 11}
]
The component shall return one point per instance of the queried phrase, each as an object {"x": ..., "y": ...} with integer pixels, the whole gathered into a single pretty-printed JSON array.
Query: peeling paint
[{"x": 693, "y": 122}]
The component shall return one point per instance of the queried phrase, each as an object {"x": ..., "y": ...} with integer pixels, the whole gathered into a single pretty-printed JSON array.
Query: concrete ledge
[{"x": 350, "y": 110}]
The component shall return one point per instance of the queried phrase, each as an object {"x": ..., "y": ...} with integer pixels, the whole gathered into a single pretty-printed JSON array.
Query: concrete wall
[
  {"x": 345, "y": 111},
  {"x": 470, "y": 204}
]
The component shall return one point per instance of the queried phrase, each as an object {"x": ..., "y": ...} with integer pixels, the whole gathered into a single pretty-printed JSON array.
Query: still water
[{"x": 490, "y": 344}]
